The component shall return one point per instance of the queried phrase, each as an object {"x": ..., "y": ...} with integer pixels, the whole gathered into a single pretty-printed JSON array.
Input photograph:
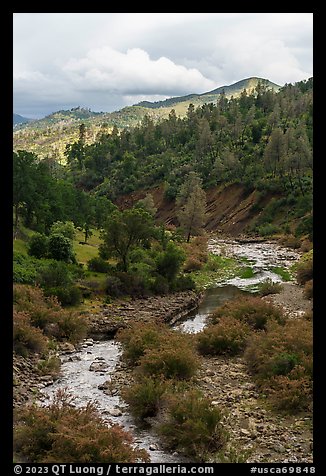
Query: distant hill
[
  {"x": 17, "y": 119},
  {"x": 232, "y": 90},
  {"x": 49, "y": 136}
]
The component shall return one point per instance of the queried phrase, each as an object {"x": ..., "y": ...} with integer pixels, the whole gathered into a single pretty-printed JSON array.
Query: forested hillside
[{"x": 261, "y": 141}]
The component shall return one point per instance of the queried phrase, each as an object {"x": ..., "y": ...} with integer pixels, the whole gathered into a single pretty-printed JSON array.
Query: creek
[{"x": 97, "y": 362}]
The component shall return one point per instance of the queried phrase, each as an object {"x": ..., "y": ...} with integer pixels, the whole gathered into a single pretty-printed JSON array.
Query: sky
[{"x": 106, "y": 61}]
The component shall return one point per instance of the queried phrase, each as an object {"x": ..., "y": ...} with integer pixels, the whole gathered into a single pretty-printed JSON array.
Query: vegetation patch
[
  {"x": 281, "y": 362},
  {"x": 251, "y": 310},
  {"x": 229, "y": 337},
  {"x": 282, "y": 272},
  {"x": 62, "y": 433},
  {"x": 193, "y": 425}
]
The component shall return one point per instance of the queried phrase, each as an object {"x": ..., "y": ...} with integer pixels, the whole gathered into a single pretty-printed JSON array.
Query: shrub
[
  {"x": 269, "y": 287},
  {"x": 144, "y": 398},
  {"x": 50, "y": 365},
  {"x": 54, "y": 274},
  {"x": 291, "y": 242},
  {"x": 67, "y": 295},
  {"x": 308, "y": 289},
  {"x": 193, "y": 425},
  {"x": 27, "y": 339},
  {"x": 227, "y": 337},
  {"x": 251, "y": 310},
  {"x": 60, "y": 248},
  {"x": 183, "y": 283},
  {"x": 305, "y": 271},
  {"x": 268, "y": 229},
  {"x": 291, "y": 393},
  {"x": 38, "y": 245},
  {"x": 24, "y": 269},
  {"x": 173, "y": 359},
  {"x": 168, "y": 262},
  {"x": 192, "y": 264},
  {"x": 139, "y": 337},
  {"x": 99, "y": 265},
  {"x": 113, "y": 286},
  {"x": 47, "y": 314},
  {"x": 281, "y": 362},
  {"x": 61, "y": 433},
  {"x": 160, "y": 285}
]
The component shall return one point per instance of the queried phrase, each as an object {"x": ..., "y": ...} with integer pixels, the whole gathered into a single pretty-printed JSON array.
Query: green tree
[
  {"x": 191, "y": 205},
  {"x": 147, "y": 204},
  {"x": 60, "y": 248},
  {"x": 126, "y": 230},
  {"x": 66, "y": 229}
]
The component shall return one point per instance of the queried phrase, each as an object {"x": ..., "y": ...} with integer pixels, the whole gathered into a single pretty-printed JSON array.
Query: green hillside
[{"x": 49, "y": 136}]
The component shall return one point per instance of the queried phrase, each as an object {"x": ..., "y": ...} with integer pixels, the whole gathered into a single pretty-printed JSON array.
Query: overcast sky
[{"x": 106, "y": 61}]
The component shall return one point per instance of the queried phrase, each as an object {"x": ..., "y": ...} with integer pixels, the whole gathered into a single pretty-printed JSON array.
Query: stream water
[{"x": 82, "y": 382}]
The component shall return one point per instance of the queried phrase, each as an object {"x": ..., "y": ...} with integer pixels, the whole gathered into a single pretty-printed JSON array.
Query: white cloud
[
  {"x": 103, "y": 60},
  {"x": 133, "y": 72}
]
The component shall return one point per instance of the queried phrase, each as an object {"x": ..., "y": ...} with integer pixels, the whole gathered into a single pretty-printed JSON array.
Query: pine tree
[{"x": 191, "y": 204}]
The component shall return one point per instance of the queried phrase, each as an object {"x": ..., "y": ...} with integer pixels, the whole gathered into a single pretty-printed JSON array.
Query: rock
[
  {"x": 67, "y": 347},
  {"x": 98, "y": 366},
  {"x": 153, "y": 447},
  {"x": 115, "y": 412}
]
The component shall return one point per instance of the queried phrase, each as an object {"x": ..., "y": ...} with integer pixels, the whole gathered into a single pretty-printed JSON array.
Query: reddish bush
[
  {"x": 27, "y": 339},
  {"x": 62, "y": 433},
  {"x": 251, "y": 310},
  {"x": 227, "y": 337},
  {"x": 281, "y": 360}
]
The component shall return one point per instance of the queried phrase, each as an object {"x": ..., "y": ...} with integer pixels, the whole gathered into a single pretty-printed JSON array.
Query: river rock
[
  {"x": 98, "y": 366},
  {"x": 67, "y": 347},
  {"x": 115, "y": 412}
]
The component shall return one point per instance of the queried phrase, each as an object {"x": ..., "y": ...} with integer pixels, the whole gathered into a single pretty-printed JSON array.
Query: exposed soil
[{"x": 229, "y": 208}]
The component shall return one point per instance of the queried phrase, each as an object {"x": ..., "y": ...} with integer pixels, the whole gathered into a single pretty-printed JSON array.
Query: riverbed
[{"x": 87, "y": 371}]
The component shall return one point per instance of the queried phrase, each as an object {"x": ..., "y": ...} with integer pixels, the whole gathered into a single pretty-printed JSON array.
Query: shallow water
[{"x": 213, "y": 298}]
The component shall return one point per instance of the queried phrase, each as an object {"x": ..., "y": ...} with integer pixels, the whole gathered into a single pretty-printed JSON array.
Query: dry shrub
[
  {"x": 305, "y": 271},
  {"x": 308, "y": 289},
  {"x": 27, "y": 339},
  {"x": 251, "y": 310},
  {"x": 144, "y": 398},
  {"x": 192, "y": 264},
  {"x": 62, "y": 433},
  {"x": 196, "y": 250},
  {"x": 229, "y": 336},
  {"x": 293, "y": 392},
  {"x": 291, "y": 242},
  {"x": 47, "y": 314},
  {"x": 139, "y": 337},
  {"x": 175, "y": 358},
  {"x": 281, "y": 361},
  {"x": 193, "y": 425}
]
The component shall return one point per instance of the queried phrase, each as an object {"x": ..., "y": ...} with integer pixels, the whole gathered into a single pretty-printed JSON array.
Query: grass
[
  {"x": 83, "y": 252},
  {"x": 282, "y": 272},
  {"x": 89, "y": 250},
  {"x": 246, "y": 272},
  {"x": 217, "y": 268}
]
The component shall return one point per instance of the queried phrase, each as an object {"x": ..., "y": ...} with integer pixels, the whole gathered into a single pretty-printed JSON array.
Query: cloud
[
  {"x": 133, "y": 72},
  {"x": 105, "y": 61}
]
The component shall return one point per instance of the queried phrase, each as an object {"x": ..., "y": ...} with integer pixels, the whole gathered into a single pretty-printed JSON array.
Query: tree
[
  {"x": 126, "y": 230},
  {"x": 60, "y": 248},
  {"x": 24, "y": 167},
  {"x": 191, "y": 204},
  {"x": 66, "y": 229},
  {"x": 147, "y": 204}
]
